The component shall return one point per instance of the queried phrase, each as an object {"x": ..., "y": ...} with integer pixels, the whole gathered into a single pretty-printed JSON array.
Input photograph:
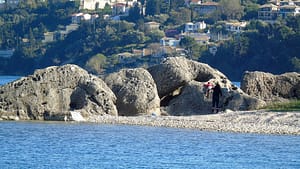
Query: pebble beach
[{"x": 262, "y": 122}]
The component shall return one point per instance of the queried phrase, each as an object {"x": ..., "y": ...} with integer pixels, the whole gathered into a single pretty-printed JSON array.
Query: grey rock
[
  {"x": 176, "y": 72},
  {"x": 269, "y": 87},
  {"x": 180, "y": 84},
  {"x": 192, "y": 100},
  {"x": 51, "y": 93},
  {"x": 136, "y": 92}
]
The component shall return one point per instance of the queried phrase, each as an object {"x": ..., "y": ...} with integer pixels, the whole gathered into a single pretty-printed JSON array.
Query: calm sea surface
[
  {"x": 6, "y": 79},
  {"x": 77, "y": 145}
]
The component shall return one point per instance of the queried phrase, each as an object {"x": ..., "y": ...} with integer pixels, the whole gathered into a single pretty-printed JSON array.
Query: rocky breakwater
[
  {"x": 180, "y": 83},
  {"x": 56, "y": 93},
  {"x": 270, "y": 87}
]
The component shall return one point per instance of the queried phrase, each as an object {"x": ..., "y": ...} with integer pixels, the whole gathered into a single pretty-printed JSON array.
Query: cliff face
[
  {"x": 269, "y": 87},
  {"x": 51, "y": 93}
]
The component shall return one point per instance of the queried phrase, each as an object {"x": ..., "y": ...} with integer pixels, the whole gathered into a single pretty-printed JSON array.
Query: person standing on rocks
[{"x": 217, "y": 92}]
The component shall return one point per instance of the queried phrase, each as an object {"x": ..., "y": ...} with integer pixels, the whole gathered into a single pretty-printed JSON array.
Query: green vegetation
[
  {"x": 293, "y": 105},
  {"x": 96, "y": 63},
  {"x": 263, "y": 46}
]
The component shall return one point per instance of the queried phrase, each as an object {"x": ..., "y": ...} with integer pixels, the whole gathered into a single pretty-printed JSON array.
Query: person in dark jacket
[{"x": 217, "y": 92}]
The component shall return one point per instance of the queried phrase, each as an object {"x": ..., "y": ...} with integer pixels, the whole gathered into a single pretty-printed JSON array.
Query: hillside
[{"x": 104, "y": 45}]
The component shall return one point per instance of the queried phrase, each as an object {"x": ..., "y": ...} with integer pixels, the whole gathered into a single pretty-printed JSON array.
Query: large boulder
[
  {"x": 54, "y": 93},
  {"x": 271, "y": 87},
  {"x": 181, "y": 86},
  {"x": 192, "y": 100},
  {"x": 176, "y": 72},
  {"x": 136, "y": 92}
]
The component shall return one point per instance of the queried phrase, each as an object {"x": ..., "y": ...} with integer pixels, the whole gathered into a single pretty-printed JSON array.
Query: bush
[{"x": 293, "y": 105}]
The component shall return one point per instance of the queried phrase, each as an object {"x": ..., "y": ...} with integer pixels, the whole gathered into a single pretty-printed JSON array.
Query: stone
[
  {"x": 270, "y": 87},
  {"x": 176, "y": 72},
  {"x": 51, "y": 93},
  {"x": 136, "y": 92},
  {"x": 180, "y": 83},
  {"x": 192, "y": 100}
]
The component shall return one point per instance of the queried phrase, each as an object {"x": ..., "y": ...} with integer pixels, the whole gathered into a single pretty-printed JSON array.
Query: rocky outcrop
[
  {"x": 51, "y": 93},
  {"x": 136, "y": 92},
  {"x": 180, "y": 83},
  {"x": 176, "y": 72},
  {"x": 193, "y": 100},
  {"x": 175, "y": 87},
  {"x": 269, "y": 87}
]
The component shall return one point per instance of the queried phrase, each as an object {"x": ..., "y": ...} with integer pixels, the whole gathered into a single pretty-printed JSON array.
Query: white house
[
  {"x": 119, "y": 9},
  {"x": 206, "y": 7},
  {"x": 78, "y": 17},
  {"x": 127, "y": 2},
  {"x": 200, "y": 25},
  {"x": 72, "y": 27},
  {"x": 195, "y": 2},
  {"x": 150, "y": 26},
  {"x": 235, "y": 26},
  {"x": 93, "y": 4},
  {"x": 268, "y": 12},
  {"x": 194, "y": 27},
  {"x": 286, "y": 10},
  {"x": 192, "y": 2},
  {"x": 189, "y": 27},
  {"x": 165, "y": 41},
  {"x": 49, "y": 37},
  {"x": 11, "y": 3},
  {"x": 100, "y": 4},
  {"x": 200, "y": 38}
]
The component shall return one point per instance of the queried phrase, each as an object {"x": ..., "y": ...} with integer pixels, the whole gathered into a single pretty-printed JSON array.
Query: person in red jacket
[{"x": 208, "y": 87}]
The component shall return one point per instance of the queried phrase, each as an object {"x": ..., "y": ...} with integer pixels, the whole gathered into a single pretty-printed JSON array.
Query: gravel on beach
[{"x": 263, "y": 122}]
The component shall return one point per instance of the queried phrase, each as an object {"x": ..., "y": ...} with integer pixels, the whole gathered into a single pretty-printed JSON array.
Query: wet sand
[{"x": 263, "y": 122}]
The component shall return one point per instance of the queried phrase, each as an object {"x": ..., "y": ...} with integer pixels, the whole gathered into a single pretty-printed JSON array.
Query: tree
[
  {"x": 32, "y": 44},
  {"x": 175, "y": 4},
  {"x": 107, "y": 9},
  {"x": 96, "y": 63},
  {"x": 294, "y": 23},
  {"x": 134, "y": 14},
  {"x": 192, "y": 48},
  {"x": 251, "y": 11},
  {"x": 133, "y": 37},
  {"x": 231, "y": 9},
  {"x": 155, "y": 36},
  {"x": 296, "y": 63},
  {"x": 153, "y": 7},
  {"x": 181, "y": 16}
]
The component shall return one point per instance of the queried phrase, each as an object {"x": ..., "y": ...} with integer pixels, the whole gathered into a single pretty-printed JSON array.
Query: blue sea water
[
  {"x": 7, "y": 79},
  {"x": 46, "y": 145},
  {"x": 85, "y": 145},
  {"x": 238, "y": 84}
]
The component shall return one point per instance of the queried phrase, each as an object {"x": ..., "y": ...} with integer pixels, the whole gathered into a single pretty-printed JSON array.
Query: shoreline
[
  {"x": 256, "y": 122},
  {"x": 259, "y": 122}
]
